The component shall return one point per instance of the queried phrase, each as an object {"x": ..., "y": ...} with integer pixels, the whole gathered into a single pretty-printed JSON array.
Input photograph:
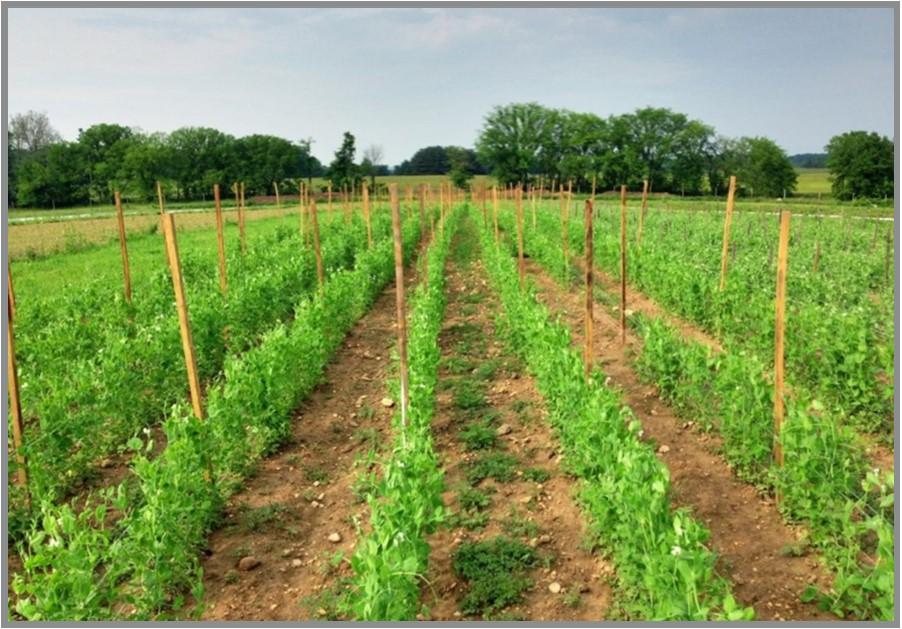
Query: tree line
[{"x": 518, "y": 143}]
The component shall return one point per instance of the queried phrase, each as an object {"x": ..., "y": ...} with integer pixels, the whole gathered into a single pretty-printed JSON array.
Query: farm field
[{"x": 479, "y": 470}]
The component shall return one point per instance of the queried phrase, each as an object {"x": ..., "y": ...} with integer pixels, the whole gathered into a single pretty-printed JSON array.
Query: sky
[{"x": 408, "y": 78}]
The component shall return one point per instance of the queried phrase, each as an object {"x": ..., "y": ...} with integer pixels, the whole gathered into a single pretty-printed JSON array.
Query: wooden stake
[
  {"x": 590, "y": 298},
  {"x": 275, "y": 185},
  {"x": 123, "y": 248},
  {"x": 569, "y": 196},
  {"x": 565, "y": 235},
  {"x": 533, "y": 200},
  {"x": 320, "y": 276},
  {"x": 727, "y": 222},
  {"x": 12, "y": 373},
  {"x": 220, "y": 241},
  {"x": 241, "y": 230},
  {"x": 518, "y": 195},
  {"x": 329, "y": 207},
  {"x": 347, "y": 199},
  {"x": 366, "y": 215},
  {"x": 623, "y": 264},
  {"x": 593, "y": 189},
  {"x": 888, "y": 256},
  {"x": 817, "y": 256},
  {"x": 160, "y": 199},
  {"x": 301, "y": 196},
  {"x": 642, "y": 211},
  {"x": 779, "y": 321},
  {"x": 495, "y": 213},
  {"x": 422, "y": 207},
  {"x": 181, "y": 305},
  {"x": 483, "y": 193},
  {"x": 400, "y": 301}
]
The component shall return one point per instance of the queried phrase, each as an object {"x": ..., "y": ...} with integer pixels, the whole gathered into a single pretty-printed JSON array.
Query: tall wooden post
[
  {"x": 518, "y": 198},
  {"x": 888, "y": 256},
  {"x": 329, "y": 206},
  {"x": 220, "y": 241},
  {"x": 301, "y": 196},
  {"x": 727, "y": 222},
  {"x": 181, "y": 305},
  {"x": 365, "y": 191},
  {"x": 422, "y": 196},
  {"x": 314, "y": 223},
  {"x": 590, "y": 298},
  {"x": 346, "y": 193},
  {"x": 533, "y": 200},
  {"x": 400, "y": 300},
  {"x": 12, "y": 372},
  {"x": 779, "y": 323},
  {"x": 241, "y": 231},
  {"x": 495, "y": 213},
  {"x": 623, "y": 264},
  {"x": 160, "y": 199},
  {"x": 593, "y": 189},
  {"x": 275, "y": 186},
  {"x": 123, "y": 248},
  {"x": 483, "y": 194},
  {"x": 642, "y": 211},
  {"x": 565, "y": 235},
  {"x": 817, "y": 256}
]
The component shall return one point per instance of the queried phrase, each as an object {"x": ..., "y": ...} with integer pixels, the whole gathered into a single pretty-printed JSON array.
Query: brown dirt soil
[
  {"x": 307, "y": 487},
  {"x": 755, "y": 546},
  {"x": 585, "y": 594}
]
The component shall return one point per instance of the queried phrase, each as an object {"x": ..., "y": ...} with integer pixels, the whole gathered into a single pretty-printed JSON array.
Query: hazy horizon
[{"x": 408, "y": 78}]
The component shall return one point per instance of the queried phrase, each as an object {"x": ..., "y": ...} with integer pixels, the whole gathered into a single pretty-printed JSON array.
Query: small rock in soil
[
  {"x": 555, "y": 588},
  {"x": 387, "y": 402},
  {"x": 545, "y": 539},
  {"x": 504, "y": 429},
  {"x": 664, "y": 449},
  {"x": 296, "y": 563},
  {"x": 335, "y": 537},
  {"x": 248, "y": 563}
]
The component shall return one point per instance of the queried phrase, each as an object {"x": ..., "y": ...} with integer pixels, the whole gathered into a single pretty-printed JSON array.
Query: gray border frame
[{"x": 516, "y": 4}]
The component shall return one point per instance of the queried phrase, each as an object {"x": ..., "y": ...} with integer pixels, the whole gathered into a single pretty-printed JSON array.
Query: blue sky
[{"x": 407, "y": 78}]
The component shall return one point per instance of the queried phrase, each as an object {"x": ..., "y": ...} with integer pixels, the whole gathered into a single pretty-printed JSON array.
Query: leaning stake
[
  {"x": 241, "y": 231},
  {"x": 123, "y": 249},
  {"x": 220, "y": 241},
  {"x": 399, "y": 300},
  {"x": 782, "y": 257},
  {"x": 727, "y": 222},
  {"x": 518, "y": 195},
  {"x": 181, "y": 305},
  {"x": 13, "y": 375},
  {"x": 642, "y": 211},
  {"x": 314, "y": 222}
]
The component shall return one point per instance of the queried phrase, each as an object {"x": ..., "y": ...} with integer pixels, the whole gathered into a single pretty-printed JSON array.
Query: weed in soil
[{"x": 497, "y": 573}]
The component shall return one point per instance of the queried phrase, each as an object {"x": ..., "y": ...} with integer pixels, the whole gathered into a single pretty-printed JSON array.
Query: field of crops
[{"x": 404, "y": 412}]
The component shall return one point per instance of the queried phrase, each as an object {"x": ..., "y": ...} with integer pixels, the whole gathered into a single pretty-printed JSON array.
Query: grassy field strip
[
  {"x": 825, "y": 482},
  {"x": 406, "y": 504},
  {"x": 134, "y": 554}
]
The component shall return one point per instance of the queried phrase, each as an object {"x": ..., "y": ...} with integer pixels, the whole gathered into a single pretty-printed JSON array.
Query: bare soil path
[
  {"x": 483, "y": 387},
  {"x": 765, "y": 558},
  {"x": 285, "y": 533}
]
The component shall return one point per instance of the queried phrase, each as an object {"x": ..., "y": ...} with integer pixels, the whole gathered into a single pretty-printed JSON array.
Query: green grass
[
  {"x": 496, "y": 572},
  {"x": 813, "y": 181}
]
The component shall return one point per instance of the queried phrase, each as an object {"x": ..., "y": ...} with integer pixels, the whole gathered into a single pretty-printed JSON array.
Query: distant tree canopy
[
  {"x": 809, "y": 160},
  {"x": 436, "y": 160},
  {"x": 861, "y": 165},
  {"x": 47, "y": 172},
  {"x": 521, "y": 141}
]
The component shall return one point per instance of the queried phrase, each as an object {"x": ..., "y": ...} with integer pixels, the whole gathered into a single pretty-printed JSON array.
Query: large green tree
[
  {"x": 513, "y": 138},
  {"x": 766, "y": 170},
  {"x": 343, "y": 171},
  {"x": 861, "y": 165},
  {"x": 103, "y": 148}
]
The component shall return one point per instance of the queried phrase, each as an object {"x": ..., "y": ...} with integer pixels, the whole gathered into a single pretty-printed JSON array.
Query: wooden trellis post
[
  {"x": 779, "y": 323},
  {"x": 727, "y": 222},
  {"x": 329, "y": 206},
  {"x": 400, "y": 302},
  {"x": 518, "y": 197},
  {"x": 275, "y": 186},
  {"x": 533, "y": 201},
  {"x": 817, "y": 256},
  {"x": 181, "y": 304},
  {"x": 565, "y": 234},
  {"x": 15, "y": 405},
  {"x": 888, "y": 256},
  {"x": 220, "y": 241},
  {"x": 495, "y": 213},
  {"x": 642, "y": 211},
  {"x": 623, "y": 264},
  {"x": 314, "y": 223},
  {"x": 160, "y": 201},
  {"x": 484, "y": 193},
  {"x": 301, "y": 206},
  {"x": 590, "y": 298},
  {"x": 422, "y": 196},
  {"x": 123, "y": 248},
  {"x": 347, "y": 199},
  {"x": 365, "y": 192},
  {"x": 241, "y": 231}
]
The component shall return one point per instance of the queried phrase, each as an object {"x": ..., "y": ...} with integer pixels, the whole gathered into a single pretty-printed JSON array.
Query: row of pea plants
[
  {"x": 839, "y": 328},
  {"x": 825, "y": 481},
  {"x": 96, "y": 370},
  {"x": 406, "y": 505},
  {"x": 664, "y": 569},
  {"x": 133, "y": 553}
]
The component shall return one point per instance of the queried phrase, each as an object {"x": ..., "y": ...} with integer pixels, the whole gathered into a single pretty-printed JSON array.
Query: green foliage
[
  {"x": 861, "y": 165},
  {"x": 478, "y": 435},
  {"x": 499, "y": 466},
  {"x": 342, "y": 171},
  {"x": 496, "y": 572}
]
